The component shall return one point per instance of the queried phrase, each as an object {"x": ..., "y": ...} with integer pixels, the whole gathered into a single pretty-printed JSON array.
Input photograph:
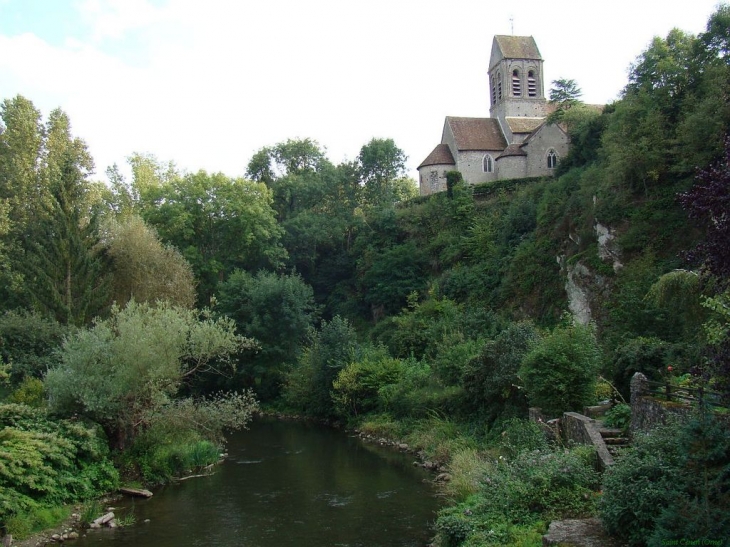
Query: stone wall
[
  {"x": 471, "y": 165},
  {"x": 579, "y": 429},
  {"x": 648, "y": 412},
  {"x": 547, "y": 137},
  {"x": 432, "y": 178},
  {"x": 582, "y": 430}
]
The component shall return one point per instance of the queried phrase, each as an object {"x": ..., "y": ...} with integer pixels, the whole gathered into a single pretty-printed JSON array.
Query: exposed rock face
[
  {"x": 608, "y": 248},
  {"x": 576, "y": 286}
]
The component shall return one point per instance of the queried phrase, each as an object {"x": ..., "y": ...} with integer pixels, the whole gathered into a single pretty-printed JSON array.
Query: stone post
[{"x": 639, "y": 387}]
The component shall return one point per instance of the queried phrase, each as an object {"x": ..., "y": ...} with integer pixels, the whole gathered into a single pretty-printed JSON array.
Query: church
[{"x": 514, "y": 142}]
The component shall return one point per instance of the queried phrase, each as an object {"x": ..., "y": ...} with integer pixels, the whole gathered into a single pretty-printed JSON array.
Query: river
[{"x": 287, "y": 483}]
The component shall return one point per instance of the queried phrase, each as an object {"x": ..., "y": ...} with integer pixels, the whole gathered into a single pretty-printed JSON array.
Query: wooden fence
[{"x": 682, "y": 394}]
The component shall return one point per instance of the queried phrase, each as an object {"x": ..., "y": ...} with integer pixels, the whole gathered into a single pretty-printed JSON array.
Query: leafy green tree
[
  {"x": 277, "y": 310},
  {"x": 389, "y": 276},
  {"x": 143, "y": 268},
  {"x": 328, "y": 351},
  {"x": 559, "y": 373},
  {"x": 21, "y": 194},
  {"x": 29, "y": 340},
  {"x": 127, "y": 367},
  {"x": 491, "y": 381},
  {"x": 381, "y": 163},
  {"x": 218, "y": 224},
  {"x": 20, "y": 151}
]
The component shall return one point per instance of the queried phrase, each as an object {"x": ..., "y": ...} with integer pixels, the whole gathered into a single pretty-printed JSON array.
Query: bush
[
  {"x": 519, "y": 436},
  {"x": 491, "y": 382},
  {"x": 29, "y": 341},
  {"x": 641, "y": 484},
  {"x": 619, "y": 417},
  {"x": 355, "y": 390},
  {"x": 419, "y": 394},
  {"x": 45, "y": 462},
  {"x": 672, "y": 484},
  {"x": 30, "y": 392},
  {"x": 518, "y": 494},
  {"x": 559, "y": 373}
]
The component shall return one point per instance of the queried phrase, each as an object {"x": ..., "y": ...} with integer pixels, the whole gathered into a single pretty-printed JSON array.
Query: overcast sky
[{"x": 206, "y": 83}]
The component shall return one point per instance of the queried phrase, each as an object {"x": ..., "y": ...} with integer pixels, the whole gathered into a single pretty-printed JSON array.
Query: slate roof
[
  {"x": 512, "y": 150},
  {"x": 524, "y": 125},
  {"x": 518, "y": 47},
  {"x": 441, "y": 155},
  {"x": 477, "y": 133}
]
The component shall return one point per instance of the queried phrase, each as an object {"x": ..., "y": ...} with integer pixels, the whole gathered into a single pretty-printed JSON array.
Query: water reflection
[{"x": 288, "y": 484}]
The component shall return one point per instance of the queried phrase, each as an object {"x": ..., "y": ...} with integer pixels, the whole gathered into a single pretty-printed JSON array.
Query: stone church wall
[
  {"x": 471, "y": 165},
  {"x": 548, "y": 136},
  {"x": 432, "y": 178},
  {"x": 511, "y": 167}
]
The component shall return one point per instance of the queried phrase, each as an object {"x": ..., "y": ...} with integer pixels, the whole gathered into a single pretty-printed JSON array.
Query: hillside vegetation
[{"x": 144, "y": 315}]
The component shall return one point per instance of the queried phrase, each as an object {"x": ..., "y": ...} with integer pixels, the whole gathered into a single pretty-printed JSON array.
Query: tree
[
  {"x": 491, "y": 381},
  {"x": 708, "y": 202},
  {"x": 124, "y": 369},
  {"x": 277, "y": 311},
  {"x": 21, "y": 145},
  {"x": 309, "y": 383},
  {"x": 143, "y": 268},
  {"x": 564, "y": 95},
  {"x": 380, "y": 163},
  {"x": 218, "y": 224},
  {"x": 559, "y": 372},
  {"x": 64, "y": 273}
]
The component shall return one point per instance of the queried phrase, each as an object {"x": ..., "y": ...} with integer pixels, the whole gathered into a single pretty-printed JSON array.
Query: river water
[{"x": 287, "y": 484}]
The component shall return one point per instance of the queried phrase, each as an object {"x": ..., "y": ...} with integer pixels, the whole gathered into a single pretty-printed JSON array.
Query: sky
[{"x": 207, "y": 83}]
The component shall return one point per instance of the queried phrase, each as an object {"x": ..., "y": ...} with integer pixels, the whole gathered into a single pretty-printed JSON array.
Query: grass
[
  {"x": 22, "y": 525},
  {"x": 90, "y": 511}
]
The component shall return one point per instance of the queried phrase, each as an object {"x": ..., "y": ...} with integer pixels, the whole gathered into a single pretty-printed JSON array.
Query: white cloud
[
  {"x": 206, "y": 84},
  {"x": 114, "y": 18}
]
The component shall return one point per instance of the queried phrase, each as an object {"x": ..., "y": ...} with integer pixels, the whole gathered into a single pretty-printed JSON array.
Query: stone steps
[{"x": 614, "y": 440}]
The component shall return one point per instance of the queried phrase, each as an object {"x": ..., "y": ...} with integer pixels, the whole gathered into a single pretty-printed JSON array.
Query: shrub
[
  {"x": 518, "y": 494},
  {"x": 491, "y": 382},
  {"x": 519, "y": 436},
  {"x": 559, "y": 373},
  {"x": 418, "y": 393},
  {"x": 641, "y": 484},
  {"x": 30, "y": 392},
  {"x": 356, "y": 388},
  {"x": 619, "y": 417},
  {"x": 671, "y": 484},
  {"x": 45, "y": 462}
]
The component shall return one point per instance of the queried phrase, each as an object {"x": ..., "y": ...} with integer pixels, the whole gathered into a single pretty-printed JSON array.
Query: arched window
[
  {"x": 552, "y": 159},
  {"x": 531, "y": 84},
  {"x": 494, "y": 92},
  {"x": 488, "y": 164},
  {"x": 499, "y": 86},
  {"x": 516, "y": 84}
]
